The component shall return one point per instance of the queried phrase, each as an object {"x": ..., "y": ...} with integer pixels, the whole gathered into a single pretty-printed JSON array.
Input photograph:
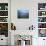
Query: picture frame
[{"x": 23, "y": 13}]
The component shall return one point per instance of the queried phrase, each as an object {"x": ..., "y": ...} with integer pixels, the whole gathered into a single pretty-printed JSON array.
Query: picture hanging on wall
[{"x": 23, "y": 13}]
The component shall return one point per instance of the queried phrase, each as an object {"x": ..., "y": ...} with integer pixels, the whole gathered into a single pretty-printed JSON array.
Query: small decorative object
[
  {"x": 4, "y": 26},
  {"x": 41, "y": 8},
  {"x": 42, "y": 25},
  {"x": 23, "y": 13},
  {"x": 45, "y": 7},
  {"x": 41, "y": 19},
  {"x": 43, "y": 13},
  {"x": 42, "y": 32},
  {"x": 0, "y": 7},
  {"x": 3, "y": 13},
  {"x": 3, "y": 19},
  {"x": 6, "y": 7},
  {"x": 13, "y": 27},
  {"x": 31, "y": 27}
]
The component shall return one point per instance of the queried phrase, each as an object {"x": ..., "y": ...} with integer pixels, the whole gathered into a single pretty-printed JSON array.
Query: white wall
[
  {"x": 23, "y": 24},
  {"x": 32, "y": 5}
]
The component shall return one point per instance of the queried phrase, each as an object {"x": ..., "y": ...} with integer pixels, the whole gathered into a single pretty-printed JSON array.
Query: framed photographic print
[{"x": 23, "y": 13}]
